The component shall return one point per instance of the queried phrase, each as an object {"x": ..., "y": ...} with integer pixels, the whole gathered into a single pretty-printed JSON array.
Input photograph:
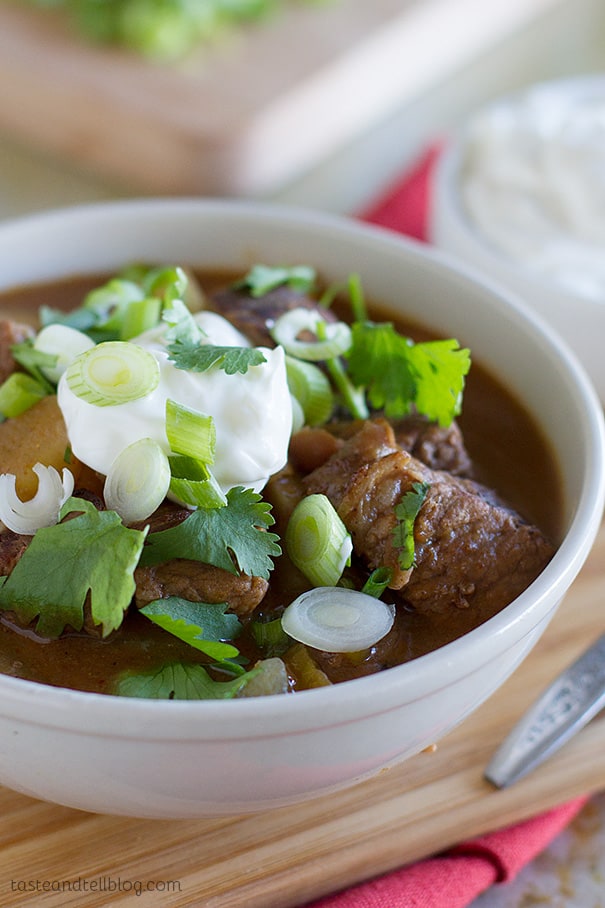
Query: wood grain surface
[
  {"x": 245, "y": 116},
  {"x": 56, "y": 856}
]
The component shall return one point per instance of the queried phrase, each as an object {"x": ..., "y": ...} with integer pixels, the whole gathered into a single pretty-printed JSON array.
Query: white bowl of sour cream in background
[{"x": 519, "y": 193}]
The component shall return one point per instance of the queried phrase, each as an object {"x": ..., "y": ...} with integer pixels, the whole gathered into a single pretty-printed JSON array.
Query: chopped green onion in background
[
  {"x": 162, "y": 30},
  {"x": 18, "y": 393}
]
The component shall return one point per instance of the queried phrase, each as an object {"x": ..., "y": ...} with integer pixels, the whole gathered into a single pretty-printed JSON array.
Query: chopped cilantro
[
  {"x": 399, "y": 374},
  {"x": 179, "y": 681},
  {"x": 91, "y": 553},
  {"x": 440, "y": 367},
  {"x": 203, "y": 625},
  {"x": 182, "y": 326},
  {"x": 196, "y": 357},
  {"x": 233, "y": 537},
  {"x": 406, "y": 512},
  {"x": 261, "y": 279}
]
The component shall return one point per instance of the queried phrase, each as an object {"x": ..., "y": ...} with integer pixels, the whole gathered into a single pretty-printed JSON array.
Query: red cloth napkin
[{"x": 456, "y": 877}]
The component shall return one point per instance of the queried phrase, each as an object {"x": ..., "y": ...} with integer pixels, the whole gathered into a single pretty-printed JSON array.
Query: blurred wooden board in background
[{"x": 249, "y": 114}]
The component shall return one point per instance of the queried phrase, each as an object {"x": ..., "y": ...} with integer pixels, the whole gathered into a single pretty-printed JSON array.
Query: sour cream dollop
[
  {"x": 252, "y": 412},
  {"x": 533, "y": 184}
]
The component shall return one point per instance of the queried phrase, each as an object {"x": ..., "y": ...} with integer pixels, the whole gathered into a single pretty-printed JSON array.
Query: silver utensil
[{"x": 567, "y": 705}]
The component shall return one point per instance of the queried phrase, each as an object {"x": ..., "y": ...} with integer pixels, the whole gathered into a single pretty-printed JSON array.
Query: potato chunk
[{"x": 38, "y": 435}]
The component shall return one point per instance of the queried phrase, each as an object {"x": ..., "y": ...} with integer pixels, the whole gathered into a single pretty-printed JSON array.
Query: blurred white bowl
[
  {"x": 186, "y": 759},
  {"x": 537, "y": 136}
]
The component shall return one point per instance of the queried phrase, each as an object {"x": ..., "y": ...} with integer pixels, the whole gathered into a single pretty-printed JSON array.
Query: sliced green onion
[
  {"x": 270, "y": 636},
  {"x": 311, "y": 388},
  {"x": 292, "y": 324},
  {"x": 140, "y": 316},
  {"x": 298, "y": 416},
  {"x": 190, "y": 432},
  {"x": 62, "y": 342},
  {"x": 165, "y": 283},
  {"x": 138, "y": 481},
  {"x": 377, "y": 582},
  {"x": 338, "y": 621},
  {"x": 205, "y": 493},
  {"x": 114, "y": 372},
  {"x": 357, "y": 298},
  {"x": 193, "y": 484},
  {"x": 18, "y": 393},
  {"x": 111, "y": 301},
  {"x": 317, "y": 540},
  {"x": 353, "y": 398}
]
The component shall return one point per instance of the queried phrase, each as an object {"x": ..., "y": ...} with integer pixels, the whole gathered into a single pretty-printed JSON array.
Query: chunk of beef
[
  {"x": 12, "y": 547},
  {"x": 470, "y": 553},
  {"x": 365, "y": 480},
  {"x": 255, "y": 316},
  {"x": 198, "y": 582},
  {"x": 283, "y": 492},
  {"x": 440, "y": 448},
  {"x": 10, "y": 333},
  {"x": 193, "y": 580}
]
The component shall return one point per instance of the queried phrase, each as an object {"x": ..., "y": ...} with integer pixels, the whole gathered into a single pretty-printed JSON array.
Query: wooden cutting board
[
  {"x": 248, "y": 115},
  {"x": 281, "y": 858}
]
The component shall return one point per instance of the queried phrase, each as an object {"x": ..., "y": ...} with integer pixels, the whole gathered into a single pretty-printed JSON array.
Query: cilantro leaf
[
  {"x": 399, "y": 374},
  {"x": 378, "y": 361},
  {"x": 261, "y": 279},
  {"x": 406, "y": 512},
  {"x": 201, "y": 357},
  {"x": 179, "y": 681},
  {"x": 440, "y": 367},
  {"x": 219, "y": 536},
  {"x": 91, "y": 553},
  {"x": 182, "y": 326},
  {"x": 203, "y": 625}
]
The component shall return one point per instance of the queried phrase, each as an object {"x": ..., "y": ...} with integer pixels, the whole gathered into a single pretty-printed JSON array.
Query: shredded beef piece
[
  {"x": 199, "y": 582},
  {"x": 438, "y": 447},
  {"x": 365, "y": 480},
  {"x": 193, "y": 580},
  {"x": 12, "y": 547},
  {"x": 311, "y": 447},
  {"x": 283, "y": 492},
  {"x": 168, "y": 515},
  {"x": 255, "y": 316},
  {"x": 470, "y": 552},
  {"x": 10, "y": 333}
]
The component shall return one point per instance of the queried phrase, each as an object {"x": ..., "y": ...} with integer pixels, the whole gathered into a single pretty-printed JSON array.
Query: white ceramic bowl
[
  {"x": 187, "y": 759},
  {"x": 579, "y": 318}
]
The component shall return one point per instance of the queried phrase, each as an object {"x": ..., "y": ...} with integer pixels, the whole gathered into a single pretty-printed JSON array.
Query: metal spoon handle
[{"x": 566, "y": 706}]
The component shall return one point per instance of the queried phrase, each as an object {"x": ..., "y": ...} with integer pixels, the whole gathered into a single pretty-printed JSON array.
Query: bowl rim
[{"x": 100, "y": 714}]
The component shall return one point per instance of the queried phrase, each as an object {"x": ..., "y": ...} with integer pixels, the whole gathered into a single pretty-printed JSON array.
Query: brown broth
[{"x": 509, "y": 454}]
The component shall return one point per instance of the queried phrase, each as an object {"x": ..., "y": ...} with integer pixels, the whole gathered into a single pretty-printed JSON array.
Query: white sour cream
[
  {"x": 252, "y": 412},
  {"x": 533, "y": 183}
]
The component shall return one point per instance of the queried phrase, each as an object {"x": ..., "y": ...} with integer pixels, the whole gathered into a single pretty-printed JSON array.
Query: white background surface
[{"x": 570, "y": 39}]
